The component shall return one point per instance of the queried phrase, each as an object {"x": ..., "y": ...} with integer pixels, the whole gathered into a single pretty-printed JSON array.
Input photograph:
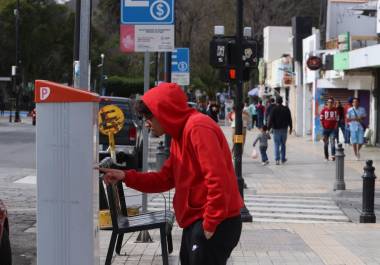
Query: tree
[{"x": 46, "y": 40}]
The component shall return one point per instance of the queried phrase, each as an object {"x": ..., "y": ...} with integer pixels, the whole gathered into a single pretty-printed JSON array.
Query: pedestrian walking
[
  {"x": 253, "y": 113},
  {"x": 280, "y": 120},
  {"x": 341, "y": 122},
  {"x": 347, "y": 134},
  {"x": 356, "y": 116},
  {"x": 329, "y": 121},
  {"x": 263, "y": 138},
  {"x": 207, "y": 201},
  {"x": 260, "y": 110},
  {"x": 212, "y": 111},
  {"x": 268, "y": 110}
]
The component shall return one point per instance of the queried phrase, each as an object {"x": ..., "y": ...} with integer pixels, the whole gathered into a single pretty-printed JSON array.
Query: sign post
[{"x": 146, "y": 26}]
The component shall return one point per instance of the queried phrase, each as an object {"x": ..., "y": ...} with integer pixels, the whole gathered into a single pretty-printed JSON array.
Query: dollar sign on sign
[{"x": 160, "y": 10}]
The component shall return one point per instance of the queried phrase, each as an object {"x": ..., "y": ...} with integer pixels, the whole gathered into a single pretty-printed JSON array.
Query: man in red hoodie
[
  {"x": 329, "y": 120},
  {"x": 207, "y": 201}
]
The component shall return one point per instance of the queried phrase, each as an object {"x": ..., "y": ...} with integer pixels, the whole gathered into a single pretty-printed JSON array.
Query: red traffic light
[
  {"x": 232, "y": 74},
  {"x": 314, "y": 63}
]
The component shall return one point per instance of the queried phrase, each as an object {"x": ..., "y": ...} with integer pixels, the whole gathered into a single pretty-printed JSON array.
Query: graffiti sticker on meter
[{"x": 111, "y": 119}]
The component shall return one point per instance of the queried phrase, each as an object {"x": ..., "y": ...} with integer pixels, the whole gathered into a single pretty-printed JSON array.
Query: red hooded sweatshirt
[{"x": 199, "y": 166}]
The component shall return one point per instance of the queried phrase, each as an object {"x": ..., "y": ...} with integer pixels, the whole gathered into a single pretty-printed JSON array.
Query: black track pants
[{"x": 197, "y": 250}]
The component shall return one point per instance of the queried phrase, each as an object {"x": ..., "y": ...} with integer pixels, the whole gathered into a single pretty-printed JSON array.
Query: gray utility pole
[
  {"x": 17, "y": 77},
  {"x": 168, "y": 79},
  {"x": 145, "y": 130},
  {"x": 84, "y": 45},
  {"x": 238, "y": 141},
  {"x": 144, "y": 236},
  {"x": 76, "y": 44}
]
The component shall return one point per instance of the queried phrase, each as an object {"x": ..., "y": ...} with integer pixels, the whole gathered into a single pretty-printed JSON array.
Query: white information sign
[
  {"x": 182, "y": 79},
  {"x": 146, "y": 38}
]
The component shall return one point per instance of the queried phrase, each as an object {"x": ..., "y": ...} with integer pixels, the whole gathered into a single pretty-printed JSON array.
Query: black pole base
[
  {"x": 246, "y": 217},
  {"x": 17, "y": 116},
  {"x": 144, "y": 237},
  {"x": 367, "y": 218},
  {"x": 339, "y": 186}
]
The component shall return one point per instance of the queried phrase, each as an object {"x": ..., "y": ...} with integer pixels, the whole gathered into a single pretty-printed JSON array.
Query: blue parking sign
[
  {"x": 181, "y": 60},
  {"x": 154, "y": 12}
]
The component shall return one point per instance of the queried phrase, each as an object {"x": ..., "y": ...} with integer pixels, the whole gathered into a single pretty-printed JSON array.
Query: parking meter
[{"x": 67, "y": 183}]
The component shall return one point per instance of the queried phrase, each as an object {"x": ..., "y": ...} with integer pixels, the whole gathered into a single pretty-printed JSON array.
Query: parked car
[
  {"x": 128, "y": 140},
  {"x": 5, "y": 245}
]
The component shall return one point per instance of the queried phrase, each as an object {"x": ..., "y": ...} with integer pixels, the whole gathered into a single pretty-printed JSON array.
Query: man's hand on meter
[{"x": 112, "y": 176}]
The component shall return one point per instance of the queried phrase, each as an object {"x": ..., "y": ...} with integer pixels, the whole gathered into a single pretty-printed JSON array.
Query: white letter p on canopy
[{"x": 44, "y": 93}]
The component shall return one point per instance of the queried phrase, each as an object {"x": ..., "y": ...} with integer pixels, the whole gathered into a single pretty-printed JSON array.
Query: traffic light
[
  {"x": 224, "y": 55},
  {"x": 219, "y": 52},
  {"x": 249, "y": 55},
  {"x": 229, "y": 74}
]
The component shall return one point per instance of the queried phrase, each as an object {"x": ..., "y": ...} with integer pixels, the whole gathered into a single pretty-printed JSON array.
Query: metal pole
[
  {"x": 157, "y": 67},
  {"x": 238, "y": 139},
  {"x": 76, "y": 44},
  {"x": 145, "y": 130},
  {"x": 168, "y": 79},
  {"x": 16, "y": 84},
  {"x": 84, "y": 45},
  {"x": 160, "y": 156},
  {"x": 368, "y": 213},
  {"x": 100, "y": 90},
  {"x": 339, "y": 169},
  {"x": 144, "y": 236}
]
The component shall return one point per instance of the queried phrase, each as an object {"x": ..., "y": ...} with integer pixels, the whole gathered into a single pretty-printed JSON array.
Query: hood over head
[{"x": 168, "y": 103}]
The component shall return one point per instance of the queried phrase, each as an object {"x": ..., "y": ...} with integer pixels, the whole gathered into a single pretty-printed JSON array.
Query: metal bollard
[
  {"x": 160, "y": 156},
  {"x": 368, "y": 214},
  {"x": 339, "y": 169}
]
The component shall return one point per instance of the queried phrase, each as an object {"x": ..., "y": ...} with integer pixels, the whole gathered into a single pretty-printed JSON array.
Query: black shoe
[{"x": 284, "y": 161}]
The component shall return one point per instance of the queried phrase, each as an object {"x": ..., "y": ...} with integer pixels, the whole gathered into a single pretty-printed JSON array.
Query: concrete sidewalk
[{"x": 298, "y": 218}]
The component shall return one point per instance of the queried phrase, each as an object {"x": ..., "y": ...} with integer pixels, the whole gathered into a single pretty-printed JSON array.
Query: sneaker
[
  {"x": 333, "y": 158},
  {"x": 277, "y": 162},
  {"x": 267, "y": 162},
  {"x": 284, "y": 161},
  {"x": 263, "y": 163}
]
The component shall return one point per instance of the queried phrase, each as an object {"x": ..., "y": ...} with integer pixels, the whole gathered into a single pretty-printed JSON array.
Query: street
[
  {"x": 17, "y": 161},
  {"x": 296, "y": 215}
]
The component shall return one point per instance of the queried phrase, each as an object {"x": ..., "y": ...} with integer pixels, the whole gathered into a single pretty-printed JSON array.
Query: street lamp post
[
  {"x": 101, "y": 65},
  {"x": 16, "y": 76}
]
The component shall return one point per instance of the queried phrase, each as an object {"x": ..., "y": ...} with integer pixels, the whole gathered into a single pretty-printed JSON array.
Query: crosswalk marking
[
  {"x": 284, "y": 209},
  {"x": 293, "y": 209},
  {"x": 27, "y": 180},
  {"x": 294, "y": 205}
]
